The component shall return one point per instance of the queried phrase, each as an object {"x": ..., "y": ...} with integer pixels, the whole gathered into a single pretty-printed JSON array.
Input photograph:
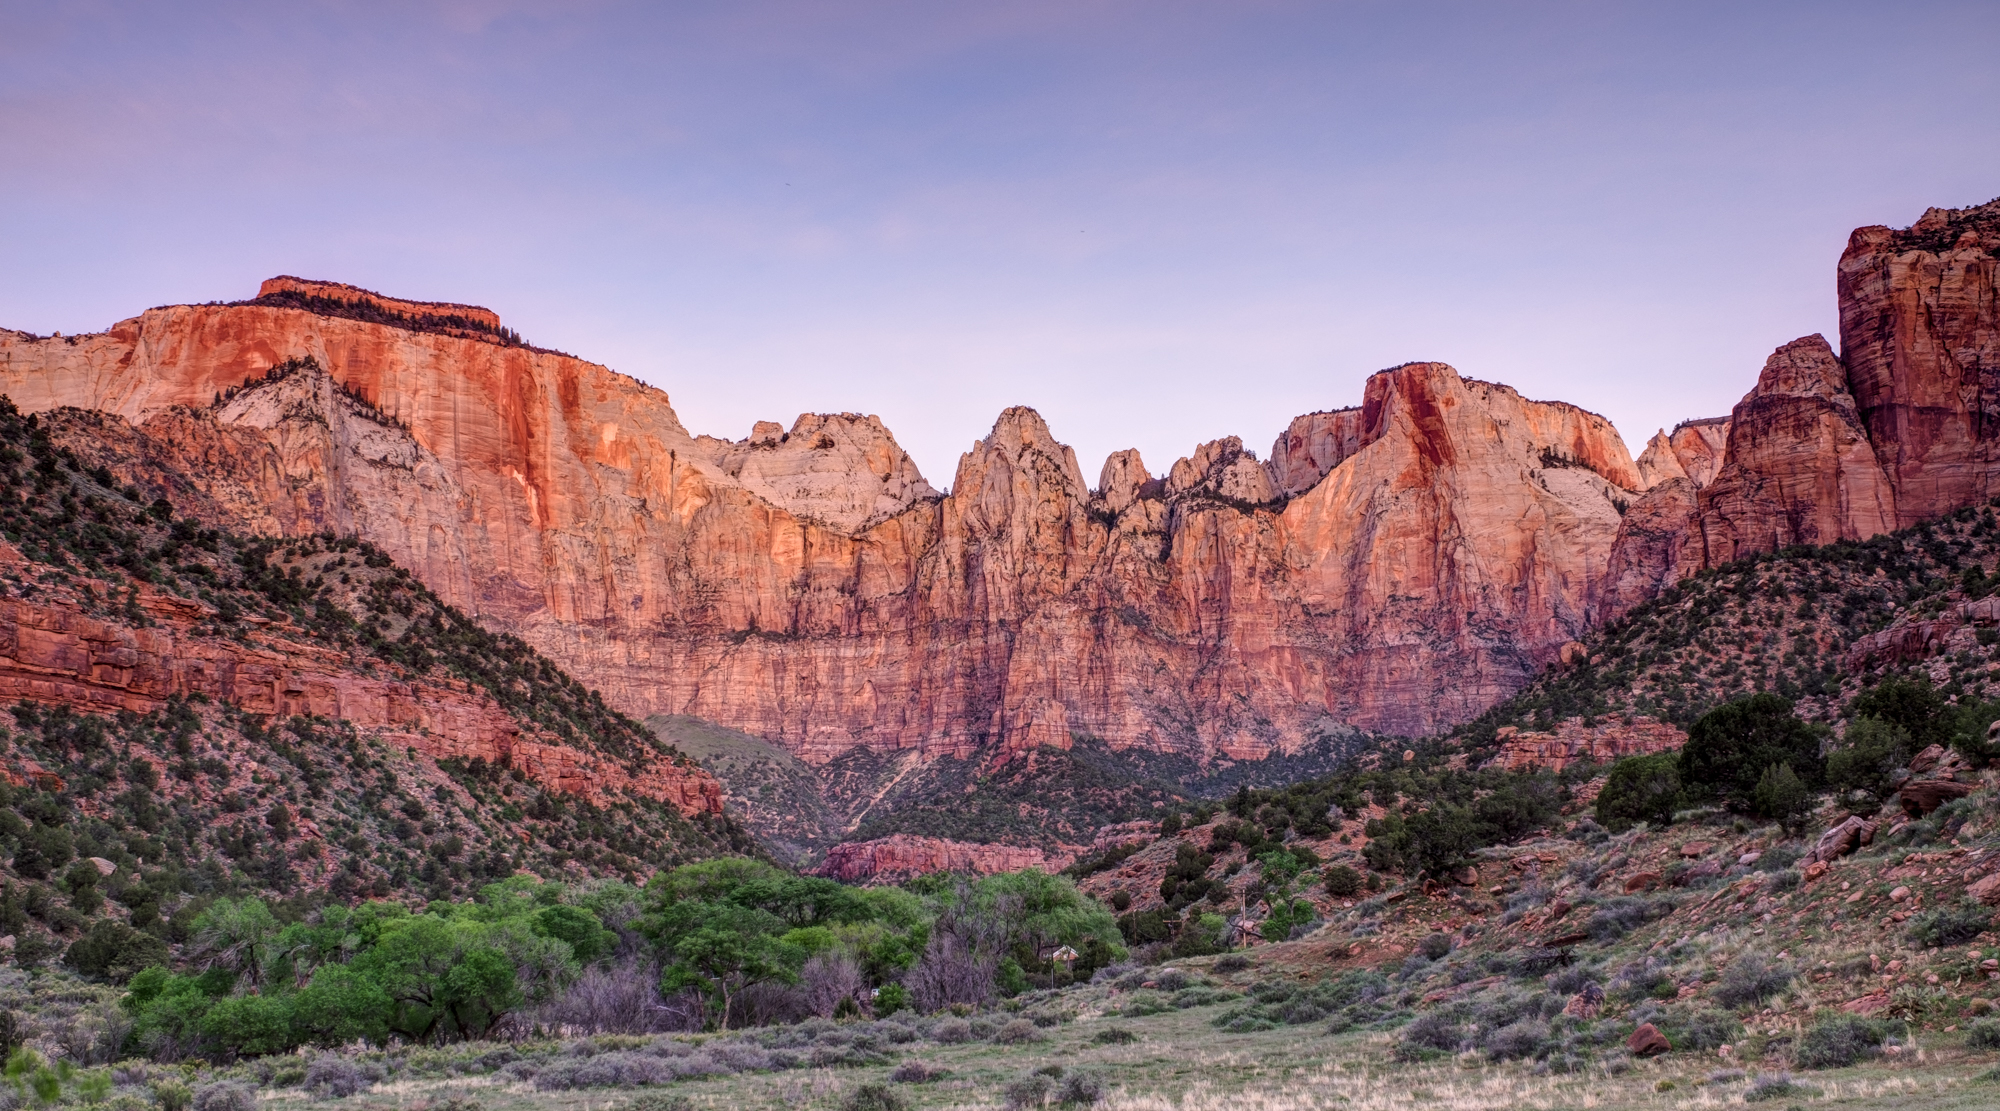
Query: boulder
[
  {"x": 1647, "y": 1041},
  {"x": 1842, "y": 838},
  {"x": 1921, "y": 796},
  {"x": 1985, "y": 889},
  {"x": 1641, "y": 881}
]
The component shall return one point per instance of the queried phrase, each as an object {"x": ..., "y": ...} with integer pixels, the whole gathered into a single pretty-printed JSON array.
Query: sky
[{"x": 1156, "y": 223}]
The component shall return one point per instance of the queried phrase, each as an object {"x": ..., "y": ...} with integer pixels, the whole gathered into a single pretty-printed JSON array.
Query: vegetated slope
[
  {"x": 208, "y": 714},
  {"x": 1815, "y": 625},
  {"x": 772, "y": 792}
]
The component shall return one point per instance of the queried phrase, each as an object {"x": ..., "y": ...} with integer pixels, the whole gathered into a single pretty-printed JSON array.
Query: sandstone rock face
[
  {"x": 56, "y": 654},
  {"x": 1693, "y": 450},
  {"x": 1800, "y": 469},
  {"x": 1920, "y": 334},
  {"x": 1611, "y": 738},
  {"x": 899, "y": 857},
  {"x": 1313, "y": 445},
  {"x": 810, "y": 588},
  {"x": 1652, "y": 550},
  {"x": 820, "y": 470},
  {"x": 435, "y": 311}
]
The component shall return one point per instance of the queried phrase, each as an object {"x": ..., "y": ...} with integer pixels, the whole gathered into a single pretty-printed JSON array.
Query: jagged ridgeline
[
  {"x": 128, "y": 800},
  {"x": 1814, "y": 624}
]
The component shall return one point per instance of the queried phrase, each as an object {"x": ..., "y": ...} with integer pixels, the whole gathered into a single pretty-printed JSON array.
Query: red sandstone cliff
[
  {"x": 1920, "y": 335},
  {"x": 809, "y": 587}
]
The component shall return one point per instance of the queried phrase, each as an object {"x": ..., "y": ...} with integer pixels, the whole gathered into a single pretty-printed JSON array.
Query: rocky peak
[
  {"x": 1222, "y": 469},
  {"x": 1805, "y": 367},
  {"x": 1658, "y": 463},
  {"x": 1311, "y": 446},
  {"x": 843, "y": 470},
  {"x": 1122, "y": 481}
]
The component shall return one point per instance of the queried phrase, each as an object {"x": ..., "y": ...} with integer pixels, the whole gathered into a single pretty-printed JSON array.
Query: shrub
[
  {"x": 1701, "y": 1028},
  {"x": 1751, "y": 979},
  {"x": 1870, "y": 753},
  {"x": 1234, "y": 962},
  {"x": 173, "y": 1095},
  {"x": 1435, "y": 946},
  {"x": 913, "y": 1071},
  {"x": 1640, "y": 789},
  {"x": 1342, "y": 881},
  {"x": 1984, "y": 1034},
  {"x": 1838, "y": 1041},
  {"x": 952, "y": 1031},
  {"x": 1114, "y": 1035},
  {"x": 1527, "y": 1038},
  {"x": 1031, "y": 1090},
  {"x": 874, "y": 1096},
  {"x": 1777, "y": 1085},
  {"x": 1617, "y": 917},
  {"x": 227, "y": 1095},
  {"x": 1428, "y": 1034},
  {"x": 114, "y": 951},
  {"x": 331, "y": 1077},
  {"x": 660, "y": 1101},
  {"x": 1018, "y": 1032},
  {"x": 1950, "y": 925},
  {"x": 1080, "y": 1089}
]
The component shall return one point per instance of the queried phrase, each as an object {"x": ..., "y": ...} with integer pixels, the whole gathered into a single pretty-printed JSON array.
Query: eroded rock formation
[
  {"x": 1920, "y": 335},
  {"x": 810, "y": 587},
  {"x": 1602, "y": 741},
  {"x": 899, "y": 857}
]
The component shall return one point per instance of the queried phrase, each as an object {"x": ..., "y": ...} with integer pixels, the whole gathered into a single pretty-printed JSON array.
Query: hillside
[
  {"x": 1815, "y": 625},
  {"x": 200, "y": 714}
]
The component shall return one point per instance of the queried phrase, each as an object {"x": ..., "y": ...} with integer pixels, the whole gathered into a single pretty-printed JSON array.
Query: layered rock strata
[
  {"x": 809, "y": 587},
  {"x": 889, "y": 859},
  {"x": 1920, "y": 336},
  {"x": 55, "y": 654},
  {"x": 1602, "y": 741}
]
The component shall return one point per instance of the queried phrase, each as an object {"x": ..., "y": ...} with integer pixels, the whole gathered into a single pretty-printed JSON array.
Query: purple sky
[{"x": 1157, "y": 223}]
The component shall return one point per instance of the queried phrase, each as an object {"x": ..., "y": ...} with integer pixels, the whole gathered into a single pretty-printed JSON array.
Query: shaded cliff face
[
  {"x": 1799, "y": 469},
  {"x": 810, "y": 588},
  {"x": 1920, "y": 334}
]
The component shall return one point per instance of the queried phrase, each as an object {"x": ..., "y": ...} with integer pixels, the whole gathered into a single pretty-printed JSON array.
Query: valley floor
[{"x": 1181, "y": 1062}]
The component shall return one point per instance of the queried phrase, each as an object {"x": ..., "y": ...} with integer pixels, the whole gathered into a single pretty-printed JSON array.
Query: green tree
[
  {"x": 1729, "y": 747},
  {"x": 719, "y": 949},
  {"x": 1640, "y": 789},
  {"x": 342, "y": 1005},
  {"x": 249, "y": 1025},
  {"x": 586, "y": 936},
  {"x": 236, "y": 935},
  {"x": 114, "y": 951},
  {"x": 1868, "y": 757},
  {"x": 1780, "y": 796},
  {"x": 1912, "y": 704}
]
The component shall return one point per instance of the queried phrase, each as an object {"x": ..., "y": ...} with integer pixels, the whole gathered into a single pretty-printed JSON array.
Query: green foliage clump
[
  {"x": 1640, "y": 789},
  {"x": 1838, "y": 1041},
  {"x": 1729, "y": 748},
  {"x": 1782, "y": 797},
  {"x": 1952, "y": 924}
]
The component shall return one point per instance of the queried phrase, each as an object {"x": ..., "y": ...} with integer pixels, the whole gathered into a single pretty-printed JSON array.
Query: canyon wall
[
  {"x": 1401, "y": 566},
  {"x": 1902, "y": 425}
]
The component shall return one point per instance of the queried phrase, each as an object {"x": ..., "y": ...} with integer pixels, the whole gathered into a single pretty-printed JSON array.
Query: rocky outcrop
[
  {"x": 900, "y": 857},
  {"x": 1602, "y": 741},
  {"x": 1311, "y": 446},
  {"x": 1920, "y": 335},
  {"x": 1799, "y": 469},
  {"x": 356, "y": 297},
  {"x": 1693, "y": 450},
  {"x": 1653, "y": 548},
  {"x": 842, "y": 470},
  {"x": 809, "y": 587},
  {"x": 55, "y": 653}
]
